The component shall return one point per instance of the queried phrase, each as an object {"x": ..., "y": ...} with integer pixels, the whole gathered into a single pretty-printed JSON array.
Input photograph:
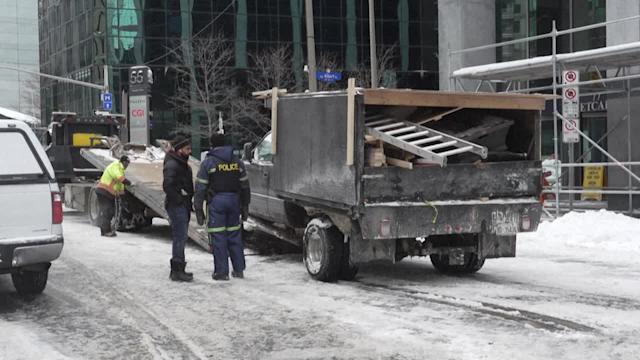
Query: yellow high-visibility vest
[{"x": 112, "y": 178}]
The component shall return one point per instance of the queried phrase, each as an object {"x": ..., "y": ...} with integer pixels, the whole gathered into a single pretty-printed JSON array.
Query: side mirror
[{"x": 246, "y": 153}]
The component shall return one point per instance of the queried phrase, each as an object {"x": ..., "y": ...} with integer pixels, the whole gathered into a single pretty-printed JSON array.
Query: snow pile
[{"x": 598, "y": 235}]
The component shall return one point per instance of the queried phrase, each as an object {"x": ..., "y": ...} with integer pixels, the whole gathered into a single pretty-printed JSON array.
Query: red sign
[
  {"x": 573, "y": 127},
  {"x": 570, "y": 93},
  {"x": 570, "y": 76},
  {"x": 137, "y": 112}
]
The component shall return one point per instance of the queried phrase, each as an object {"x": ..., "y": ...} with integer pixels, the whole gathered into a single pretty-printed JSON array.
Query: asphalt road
[{"x": 110, "y": 298}]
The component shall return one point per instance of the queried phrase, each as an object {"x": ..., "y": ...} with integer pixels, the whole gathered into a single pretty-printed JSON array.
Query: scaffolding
[{"x": 620, "y": 62}]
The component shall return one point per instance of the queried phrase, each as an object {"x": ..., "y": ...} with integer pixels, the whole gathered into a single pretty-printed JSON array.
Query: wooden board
[{"x": 453, "y": 99}]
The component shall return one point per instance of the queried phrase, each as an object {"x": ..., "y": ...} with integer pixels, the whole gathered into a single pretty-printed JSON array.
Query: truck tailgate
[{"x": 513, "y": 179}]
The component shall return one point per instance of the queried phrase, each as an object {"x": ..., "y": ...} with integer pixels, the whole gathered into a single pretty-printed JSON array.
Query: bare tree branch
[
  {"x": 271, "y": 68},
  {"x": 204, "y": 80},
  {"x": 386, "y": 62}
]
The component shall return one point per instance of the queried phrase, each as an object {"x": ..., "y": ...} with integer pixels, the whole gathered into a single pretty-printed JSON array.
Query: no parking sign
[{"x": 570, "y": 107}]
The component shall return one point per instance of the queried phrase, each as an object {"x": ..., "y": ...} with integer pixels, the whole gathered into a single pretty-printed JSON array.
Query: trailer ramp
[
  {"x": 432, "y": 145},
  {"x": 147, "y": 177}
]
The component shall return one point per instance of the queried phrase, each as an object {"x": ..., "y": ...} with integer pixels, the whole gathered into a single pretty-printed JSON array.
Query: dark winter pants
[
  {"x": 179, "y": 217},
  {"x": 107, "y": 209},
  {"x": 225, "y": 232}
]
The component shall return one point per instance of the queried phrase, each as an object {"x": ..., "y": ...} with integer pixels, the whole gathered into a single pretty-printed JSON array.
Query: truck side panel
[
  {"x": 512, "y": 179},
  {"x": 310, "y": 162}
]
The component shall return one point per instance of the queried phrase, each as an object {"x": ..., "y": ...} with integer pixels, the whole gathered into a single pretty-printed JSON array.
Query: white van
[{"x": 30, "y": 209}]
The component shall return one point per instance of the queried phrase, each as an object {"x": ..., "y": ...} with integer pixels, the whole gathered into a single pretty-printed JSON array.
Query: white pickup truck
[{"x": 30, "y": 209}]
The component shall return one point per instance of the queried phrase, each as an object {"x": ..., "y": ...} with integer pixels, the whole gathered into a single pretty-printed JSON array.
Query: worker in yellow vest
[{"x": 110, "y": 186}]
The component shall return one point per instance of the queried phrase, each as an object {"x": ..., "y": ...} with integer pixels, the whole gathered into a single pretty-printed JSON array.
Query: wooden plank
[
  {"x": 439, "y": 116},
  {"x": 274, "y": 120},
  {"x": 453, "y": 99},
  {"x": 351, "y": 94},
  {"x": 399, "y": 163}
]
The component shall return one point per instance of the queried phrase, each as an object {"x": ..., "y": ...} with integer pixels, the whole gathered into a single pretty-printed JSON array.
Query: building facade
[
  {"x": 78, "y": 37},
  {"x": 602, "y": 117},
  {"x": 19, "y": 91}
]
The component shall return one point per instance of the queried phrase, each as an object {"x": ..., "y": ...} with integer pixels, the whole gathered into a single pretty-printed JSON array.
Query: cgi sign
[{"x": 139, "y": 119}]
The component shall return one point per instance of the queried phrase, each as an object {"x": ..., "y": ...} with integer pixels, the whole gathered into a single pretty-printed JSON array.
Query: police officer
[
  {"x": 223, "y": 183},
  {"x": 110, "y": 186}
]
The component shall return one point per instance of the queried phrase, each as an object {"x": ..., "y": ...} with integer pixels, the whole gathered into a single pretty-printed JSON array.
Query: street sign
[
  {"x": 328, "y": 77},
  {"x": 107, "y": 101},
  {"x": 570, "y": 107}
]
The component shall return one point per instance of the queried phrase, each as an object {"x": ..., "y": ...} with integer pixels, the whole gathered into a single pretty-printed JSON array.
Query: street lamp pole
[
  {"x": 372, "y": 46},
  {"x": 311, "y": 46}
]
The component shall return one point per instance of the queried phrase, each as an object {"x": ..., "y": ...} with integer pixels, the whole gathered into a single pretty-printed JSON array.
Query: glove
[
  {"x": 245, "y": 213},
  {"x": 127, "y": 182},
  {"x": 200, "y": 217}
]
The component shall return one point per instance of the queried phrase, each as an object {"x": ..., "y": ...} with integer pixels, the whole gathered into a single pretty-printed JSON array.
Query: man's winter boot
[
  {"x": 218, "y": 276},
  {"x": 184, "y": 274},
  {"x": 177, "y": 272},
  {"x": 237, "y": 274}
]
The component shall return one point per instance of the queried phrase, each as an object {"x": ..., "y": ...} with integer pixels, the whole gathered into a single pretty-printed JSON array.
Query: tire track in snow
[
  {"x": 556, "y": 293},
  {"x": 158, "y": 337},
  {"x": 536, "y": 320}
]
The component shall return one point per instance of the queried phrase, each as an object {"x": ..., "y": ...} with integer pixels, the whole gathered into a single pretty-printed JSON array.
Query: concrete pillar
[
  {"x": 618, "y": 140},
  {"x": 463, "y": 24}
]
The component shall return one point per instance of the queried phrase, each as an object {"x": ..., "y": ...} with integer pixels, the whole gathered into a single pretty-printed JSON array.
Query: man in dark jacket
[
  {"x": 223, "y": 183},
  {"x": 178, "y": 187}
]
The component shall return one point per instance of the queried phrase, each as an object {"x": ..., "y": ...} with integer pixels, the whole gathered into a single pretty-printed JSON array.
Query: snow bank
[{"x": 597, "y": 235}]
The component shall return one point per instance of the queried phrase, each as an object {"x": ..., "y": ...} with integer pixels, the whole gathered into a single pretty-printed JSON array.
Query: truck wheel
[
  {"x": 29, "y": 282},
  {"x": 348, "y": 271},
  {"x": 322, "y": 250},
  {"x": 471, "y": 264},
  {"x": 93, "y": 208}
]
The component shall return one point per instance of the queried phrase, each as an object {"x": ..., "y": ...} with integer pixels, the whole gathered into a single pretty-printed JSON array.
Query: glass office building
[
  {"x": 19, "y": 91},
  {"x": 78, "y": 37}
]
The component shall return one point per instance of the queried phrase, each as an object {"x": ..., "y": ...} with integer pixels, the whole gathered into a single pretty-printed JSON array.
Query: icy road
[{"x": 573, "y": 292}]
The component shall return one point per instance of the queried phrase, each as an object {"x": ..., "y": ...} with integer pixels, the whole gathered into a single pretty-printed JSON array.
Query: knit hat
[
  {"x": 124, "y": 158},
  {"x": 180, "y": 141},
  {"x": 216, "y": 140}
]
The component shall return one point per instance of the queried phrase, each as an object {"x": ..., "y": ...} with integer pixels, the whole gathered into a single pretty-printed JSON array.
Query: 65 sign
[{"x": 140, "y": 80}]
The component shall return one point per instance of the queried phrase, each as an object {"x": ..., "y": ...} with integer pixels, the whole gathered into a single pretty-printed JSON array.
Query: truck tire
[
  {"x": 322, "y": 250},
  {"x": 471, "y": 264},
  {"x": 29, "y": 282},
  {"x": 348, "y": 271},
  {"x": 93, "y": 208}
]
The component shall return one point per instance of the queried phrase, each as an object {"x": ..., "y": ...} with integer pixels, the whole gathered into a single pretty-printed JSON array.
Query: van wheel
[
  {"x": 348, "y": 270},
  {"x": 471, "y": 264},
  {"x": 29, "y": 282},
  {"x": 93, "y": 208},
  {"x": 322, "y": 250}
]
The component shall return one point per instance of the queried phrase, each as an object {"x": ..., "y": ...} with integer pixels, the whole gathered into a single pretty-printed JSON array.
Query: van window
[{"x": 16, "y": 157}]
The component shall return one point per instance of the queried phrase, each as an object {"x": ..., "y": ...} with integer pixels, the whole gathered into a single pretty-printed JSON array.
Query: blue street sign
[
  {"x": 329, "y": 77},
  {"x": 107, "y": 101}
]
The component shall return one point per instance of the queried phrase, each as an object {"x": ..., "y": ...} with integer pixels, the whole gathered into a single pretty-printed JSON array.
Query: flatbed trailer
[{"x": 146, "y": 176}]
